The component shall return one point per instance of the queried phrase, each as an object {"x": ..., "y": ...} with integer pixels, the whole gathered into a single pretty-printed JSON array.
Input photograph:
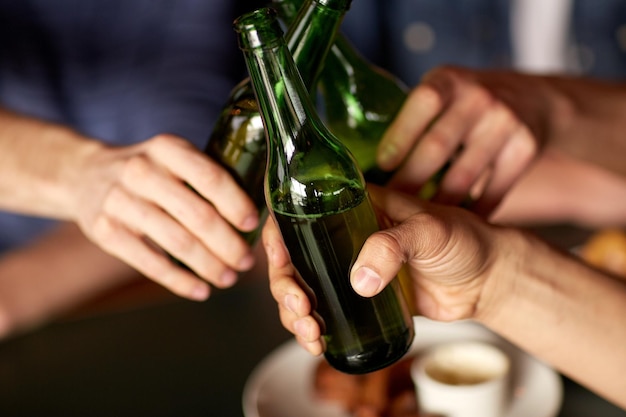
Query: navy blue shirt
[{"x": 117, "y": 70}]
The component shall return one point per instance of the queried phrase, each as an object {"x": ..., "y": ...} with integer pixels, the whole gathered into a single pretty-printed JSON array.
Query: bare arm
[
  {"x": 543, "y": 300},
  {"x": 127, "y": 199},
  {"x": 548, "y": 303},
  {"x": 57, "y": 273},
  {"x": 41, "y": 165},
  {"x": 560, "y": 310},
  {"x": 559, "y": 188}
]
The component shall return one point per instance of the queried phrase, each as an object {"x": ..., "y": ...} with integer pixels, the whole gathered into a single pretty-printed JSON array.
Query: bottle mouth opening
[
  {"x": 336, "y": 4},
  {"x": 258, "y": 28}
]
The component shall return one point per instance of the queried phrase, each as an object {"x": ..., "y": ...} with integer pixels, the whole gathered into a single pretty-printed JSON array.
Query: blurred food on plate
[
  {"x": 388, "y": 392},
  {"x": 606, "y": 250}
]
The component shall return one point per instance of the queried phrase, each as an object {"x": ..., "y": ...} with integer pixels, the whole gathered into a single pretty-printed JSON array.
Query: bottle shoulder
[
  {"x": 243, "y": 92},
  {"x": 317, "y": 197}
]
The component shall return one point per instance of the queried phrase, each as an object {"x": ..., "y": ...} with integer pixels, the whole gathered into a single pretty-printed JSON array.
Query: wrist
[
  {"x": 37, "y": 158},
  {"x": 65, "y": 170},
  {"x": 560, "y": 113},
  {"x": 75, "y": 182},
  {"x": 510, "y": 254}
]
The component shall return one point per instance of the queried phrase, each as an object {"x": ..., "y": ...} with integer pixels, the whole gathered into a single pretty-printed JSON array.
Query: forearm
[
  {"x": 571, "y": 195},
  {"x": 562, "y": 311},
  {"x": 580, "y": 121},
  {"x": 58, "y": 272},
  {"x": 39, "y": 165}
]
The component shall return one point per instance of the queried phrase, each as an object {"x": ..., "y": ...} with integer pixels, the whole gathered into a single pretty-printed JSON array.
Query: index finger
[
  {"x": 396, "y": 206},
  {"x": 208, "y": 178},
  {"x": 285, "y": 287},
  {"x": 422, "y": 105},
  {"x": 384, "y": 252}
]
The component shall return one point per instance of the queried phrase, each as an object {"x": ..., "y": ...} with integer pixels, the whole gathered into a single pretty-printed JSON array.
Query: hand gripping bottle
[
  {"x": 317, "y": 195},
  {"x": 238, "y": 141},
  {"x": 360, "y": 100}
]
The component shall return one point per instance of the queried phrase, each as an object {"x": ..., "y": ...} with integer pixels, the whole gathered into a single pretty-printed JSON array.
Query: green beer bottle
[
  {"x": 317, "y": 195},
  {"x": 360, "y": 101},
  {"x": 237, "y": 141}
]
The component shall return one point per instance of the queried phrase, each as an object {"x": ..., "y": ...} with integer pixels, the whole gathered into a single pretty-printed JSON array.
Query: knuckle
[
  {"x": 505, "y": 117},
  {"x": 387, "y": 244},
  {"x": 481, "y": 98},
  {"x": 136, "y": 167},
  {"x": 438, "y": 142},
  {"x": 431, "y": 229},
  {"x": 214, "y": 176},
  {"x": 277, "y": 287},
  {"x": 505, "y": 112},
  {"x": 443, "y": 71},
  {"x": 164, "y": 141},
  {"x": 286, "y": 317},
  {"x": 314, "y": 330},
  {"x": 114, "y": 199},
  {"x": 166, "y": 146},
  {"x": 283, "y": 284},
  {"x": 526, "y": 146},
  {"x": 158, "y": 270},
  {"x": 461, "y": 178},
  {"x": 428, "y": 96},
  {"x": 180, "y": 242},
  {"x": 202, "y": 214},
  {"x": 105, "y": 230},
  {"x": 209, "y": 270}
]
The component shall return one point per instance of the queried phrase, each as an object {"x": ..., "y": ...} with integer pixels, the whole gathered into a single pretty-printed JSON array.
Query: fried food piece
[
  {"x": 337, "y": 387},
  {"x": 386, "y": 393},
  {"x": 606, "y": 250}
]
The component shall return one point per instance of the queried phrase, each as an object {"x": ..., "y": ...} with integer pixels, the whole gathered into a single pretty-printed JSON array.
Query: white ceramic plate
[{"x": 281, "y": 385}]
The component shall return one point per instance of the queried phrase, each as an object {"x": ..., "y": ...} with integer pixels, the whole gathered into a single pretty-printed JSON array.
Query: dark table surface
[{"x": 167, "y": 358}]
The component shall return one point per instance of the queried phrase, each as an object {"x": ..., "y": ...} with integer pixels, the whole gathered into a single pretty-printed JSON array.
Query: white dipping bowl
[{"x": 463, "y": 379}]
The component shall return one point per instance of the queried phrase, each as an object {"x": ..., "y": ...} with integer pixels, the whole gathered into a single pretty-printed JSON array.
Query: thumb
[
  {"x": 378, "y": 263},
  {"x": 385, "y": 251}
]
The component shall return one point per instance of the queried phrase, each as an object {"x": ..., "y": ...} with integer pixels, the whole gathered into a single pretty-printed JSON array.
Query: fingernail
[
  {"x": 228, "y": 278},
  {"x": 250, "y": 223},
  {"x": 301, "y": 327},
  {"x": 247, "y": 262},
  {"x": 200, "y": 292},
  {"x": 291, "y": 302},
  {"x": 366, "y": 281},
  {"x": 387, "y": 154}
]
